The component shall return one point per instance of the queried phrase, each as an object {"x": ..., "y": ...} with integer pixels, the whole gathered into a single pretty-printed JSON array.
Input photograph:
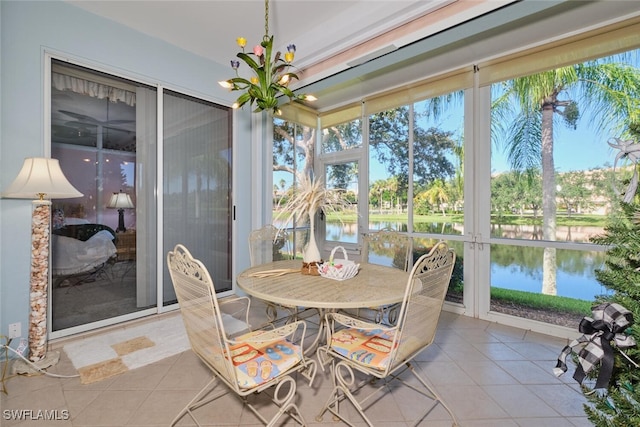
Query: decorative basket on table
[{"x": 338, "y": 269}]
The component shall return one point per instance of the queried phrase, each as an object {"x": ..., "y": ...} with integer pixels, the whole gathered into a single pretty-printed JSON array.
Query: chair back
[
  {"x": 200, "y": 312},
  {"x": 423, "y": 300},
  {"x": 268, "y": 244},
  {"x": 385, "y": 351},
  {"x": 389, "y": 244}
]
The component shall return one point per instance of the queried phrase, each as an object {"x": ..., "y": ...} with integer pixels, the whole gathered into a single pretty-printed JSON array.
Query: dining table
[{"x": 281, "y": 282}]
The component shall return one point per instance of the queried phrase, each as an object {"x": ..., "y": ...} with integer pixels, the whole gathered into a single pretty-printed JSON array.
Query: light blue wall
[{"x": 27, "y": 30}]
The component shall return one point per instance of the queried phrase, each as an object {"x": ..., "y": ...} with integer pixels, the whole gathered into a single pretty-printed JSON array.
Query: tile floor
[{"x": 490, "y": 375}]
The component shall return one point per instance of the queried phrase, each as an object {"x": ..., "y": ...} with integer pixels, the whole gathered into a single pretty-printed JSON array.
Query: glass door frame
[
  {"x": 360, "y": 156},
  {"x": 48, "y": 56},
  {"x": 47, "y": 138}
]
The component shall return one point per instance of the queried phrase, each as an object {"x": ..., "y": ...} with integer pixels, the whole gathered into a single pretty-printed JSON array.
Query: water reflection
[
  {"x": 515, "y": 267},
  {"x": 571, "y": 233},
  {"x": 520, "y": 268},
  {"x": 347, "y": 232}
]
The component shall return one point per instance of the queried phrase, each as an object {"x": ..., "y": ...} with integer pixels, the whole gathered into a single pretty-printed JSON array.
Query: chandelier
[{"x": 271, "y": 77}]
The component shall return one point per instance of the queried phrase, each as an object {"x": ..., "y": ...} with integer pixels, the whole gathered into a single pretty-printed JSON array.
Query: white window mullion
[
  {"x": 482, "y": 203},
  {"x": 363, "y": 179},
  {"x": 410, "y": 172}
]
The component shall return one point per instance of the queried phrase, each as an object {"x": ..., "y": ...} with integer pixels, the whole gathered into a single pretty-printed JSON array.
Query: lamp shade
[
  {"x": 41, "y": 177},
  {"x": 120, "y": 201}
]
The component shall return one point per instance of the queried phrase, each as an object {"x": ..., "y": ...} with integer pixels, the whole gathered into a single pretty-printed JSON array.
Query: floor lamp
[{"x": 43, "y": 179}]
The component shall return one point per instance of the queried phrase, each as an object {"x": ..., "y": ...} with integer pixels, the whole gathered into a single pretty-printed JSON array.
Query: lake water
[{"x": 517, "y": 267}]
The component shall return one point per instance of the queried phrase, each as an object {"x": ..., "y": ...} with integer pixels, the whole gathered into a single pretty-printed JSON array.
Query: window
[
  {"x": 389, "y": 169},
  {"x": 340, "y": 167},
  {"x": 293, "y": 148},
  {"x": 551, "y": 176},
  {"x": 342, "y": 226},
  {"x": 439, "y": 159},
  {"x": 416, "y": 175}
]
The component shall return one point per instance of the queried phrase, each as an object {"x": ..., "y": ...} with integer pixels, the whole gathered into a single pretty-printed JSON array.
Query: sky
[
  {"x": 581, "y": 149},
  {"x": 574, "y": 150}
]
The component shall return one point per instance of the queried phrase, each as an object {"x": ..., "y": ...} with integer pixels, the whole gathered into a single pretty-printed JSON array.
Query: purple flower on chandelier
[
  {"x": 235, "y": 64},
  {"x": 289, "y": 55}
]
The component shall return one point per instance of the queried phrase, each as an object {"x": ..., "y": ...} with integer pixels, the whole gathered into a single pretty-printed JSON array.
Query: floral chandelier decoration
[{"x": 271, "y": 76}]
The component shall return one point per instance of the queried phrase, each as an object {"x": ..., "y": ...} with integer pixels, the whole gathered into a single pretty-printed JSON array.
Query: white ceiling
[
  {"x": 343, "y": 33},
  {"x": 319, "y": 28},
  {"x": 209, "y": 27}
]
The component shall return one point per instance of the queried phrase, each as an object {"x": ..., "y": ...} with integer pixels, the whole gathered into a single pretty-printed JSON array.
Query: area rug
[{"x": 106, "y": 355}]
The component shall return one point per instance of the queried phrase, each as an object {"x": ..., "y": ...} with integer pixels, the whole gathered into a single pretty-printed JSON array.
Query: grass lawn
[
  {"x": 562, "y": 220},
  {"x": 547, "y": 302}
]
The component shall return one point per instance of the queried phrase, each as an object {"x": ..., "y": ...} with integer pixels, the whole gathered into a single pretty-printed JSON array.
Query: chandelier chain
[{"x": 266, "y": 18}]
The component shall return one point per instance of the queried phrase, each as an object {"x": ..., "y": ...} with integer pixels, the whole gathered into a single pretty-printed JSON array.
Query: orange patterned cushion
[
  {"x": 256, "y": 364},
  {"x": 370, "y": 347}
]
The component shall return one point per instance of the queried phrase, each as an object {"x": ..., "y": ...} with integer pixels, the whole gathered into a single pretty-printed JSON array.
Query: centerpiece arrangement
[{"x": 310, "y": 196}]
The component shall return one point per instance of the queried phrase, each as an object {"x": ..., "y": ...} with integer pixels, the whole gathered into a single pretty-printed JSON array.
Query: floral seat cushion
[
  {"x": 368, "y": 347},
  {"x": 258, "y": 363}
]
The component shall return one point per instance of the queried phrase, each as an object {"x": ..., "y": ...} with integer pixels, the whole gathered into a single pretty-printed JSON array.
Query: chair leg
[
  {"x": 199, "y": 400},
  {"x": 343, "y": 380},
  {"x": 432, "y": 395},
  {"x": 286, "y": 402},
  {"x": 293, "y": 314},
  {"x": 284, "y": 398},
  {"x": 272, "y": 312},
  {"x": 310, "y": 370}
]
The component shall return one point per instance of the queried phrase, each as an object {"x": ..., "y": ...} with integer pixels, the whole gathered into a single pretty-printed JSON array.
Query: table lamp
[
  {"x": 40, "y": 178},
  {"x": 120, "y": 201}
]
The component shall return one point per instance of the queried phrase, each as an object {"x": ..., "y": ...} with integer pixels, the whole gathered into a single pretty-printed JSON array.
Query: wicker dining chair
[
  {"x": 245, "y": 364},
  {"x": 269, "y": 244},
  {"x": 386, "y": 243},
  {"x": 378, "y": 352}
]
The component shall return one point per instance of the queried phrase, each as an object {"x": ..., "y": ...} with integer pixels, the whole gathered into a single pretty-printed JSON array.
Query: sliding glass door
[
  {"x": 103, "y": 132},
  {"x": 197, "y": 206}
]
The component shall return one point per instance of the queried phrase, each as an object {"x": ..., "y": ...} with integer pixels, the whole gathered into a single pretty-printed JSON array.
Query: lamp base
[
  {"x": 20, "y": 367},
  {"x": 121, "y": 228}
]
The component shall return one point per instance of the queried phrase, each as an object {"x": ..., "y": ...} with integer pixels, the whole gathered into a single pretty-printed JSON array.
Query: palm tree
[
  {"x": 393, "y": 184},
  {"x": 437, "y": 195},
  {"x": 377, "y": 189},
  {"x": 608, "y": 87},
  {"x": 457, "y": 185}
]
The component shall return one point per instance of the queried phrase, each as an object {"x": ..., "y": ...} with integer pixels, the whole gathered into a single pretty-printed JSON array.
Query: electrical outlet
[{"x": 15, "y": 330}]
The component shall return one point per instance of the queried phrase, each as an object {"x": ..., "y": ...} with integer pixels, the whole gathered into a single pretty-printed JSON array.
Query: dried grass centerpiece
[{"x": 310, "y": 195}]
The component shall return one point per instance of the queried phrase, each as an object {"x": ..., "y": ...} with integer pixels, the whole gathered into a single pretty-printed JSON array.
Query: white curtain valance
[{"x": 93, "y": 89}]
